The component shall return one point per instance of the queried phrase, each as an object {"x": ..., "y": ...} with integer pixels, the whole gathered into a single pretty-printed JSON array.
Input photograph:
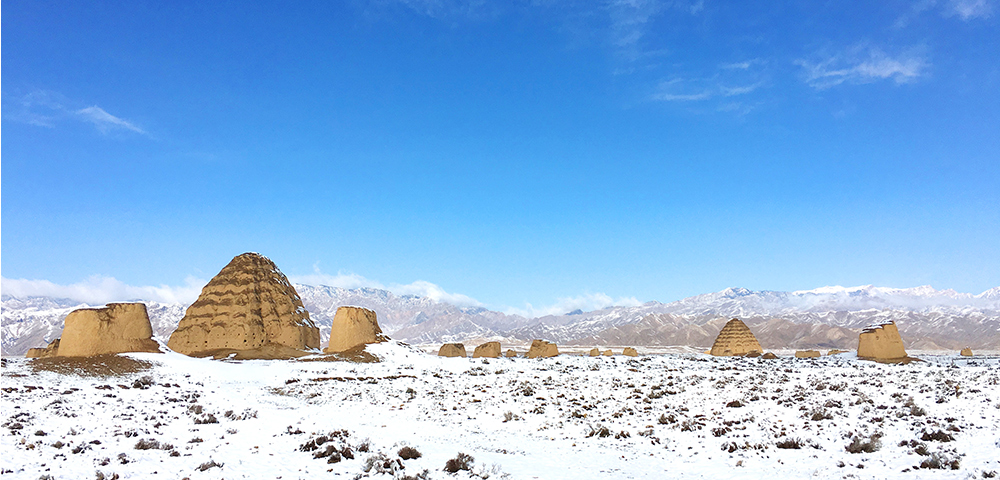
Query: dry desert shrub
[
  {"x": 792, "y": 443},
  {"x": 938, "y": 460},
  {"x": 208, "y": 464},
  {"x": 407, "y": 453},
  {"x": 861, "y": 444},
  {"x": 460, "y": 462},
  {"x": 938, "y": 436}
]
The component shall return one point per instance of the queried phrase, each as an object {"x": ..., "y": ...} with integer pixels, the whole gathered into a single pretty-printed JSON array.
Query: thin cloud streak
[
  {"x": 970, "y": 9},
  {"x": 98, "y": 290},
  {"x": 105, "y": 121},
  {"x": 587, "y": 302},
  {"x": 859, "y": 66},
  {"x": 419, "y": 288},
  {"x": 689, "y": 97},
  {"x": 43, "y": 108}
]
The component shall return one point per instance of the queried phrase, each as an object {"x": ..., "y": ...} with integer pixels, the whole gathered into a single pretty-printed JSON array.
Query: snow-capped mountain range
[{"x": 827, "y": 317}]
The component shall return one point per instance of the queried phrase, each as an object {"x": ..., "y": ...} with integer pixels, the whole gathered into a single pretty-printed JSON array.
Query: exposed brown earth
[
  {"x": 95, "y": 366},
  {"x": 353, "y": 326},
  {"x": 735, "y": 339},
  {"x": 487, "y": 350},
  {"x": 542, "y": 349},
  {"x": 452, "y": 350},
  {"x": 881, "y": 342},
  {"x": 248, "y": 305},
  {"x": 48, "y": 351},
  {"x": 116, "y": 328}
]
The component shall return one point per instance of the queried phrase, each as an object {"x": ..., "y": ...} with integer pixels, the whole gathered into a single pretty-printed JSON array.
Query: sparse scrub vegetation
[
  {"x": 939, "y": 460},
  {"x": 209, "y": 464},
  {"x": 408, "y": 453},
  {"x": 938, "y": 436},
  {"x": 461, "y": 462},
  {"x": 860, "y": 444}
]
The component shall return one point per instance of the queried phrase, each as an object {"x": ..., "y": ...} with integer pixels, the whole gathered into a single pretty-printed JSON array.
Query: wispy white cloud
[
  {"x": 419, "y": 288},
  {"x": 342, "y": 280},
  {"x": 966, "y": 10},
  {"x": 861, "y": 64},
  {"x": 427, "y": 289},
  {"x": 98, "y": 290},
  {"x": 442, "y": 9},
  {"x": 46, "y": 109},
  {"x": 739, "y": 90},
  {"x": 630, "y": 19},
  {"x": 105, "y": 121},
  {"x": 586, "y": 303},
  {"x": 682, "y": 97},
  {"x": 728, "y": 80},
  {"x": 969, "y": 9}
]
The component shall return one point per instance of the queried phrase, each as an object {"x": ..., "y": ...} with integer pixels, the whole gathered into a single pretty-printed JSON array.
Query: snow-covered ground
[{"x": 680, "y": 415}]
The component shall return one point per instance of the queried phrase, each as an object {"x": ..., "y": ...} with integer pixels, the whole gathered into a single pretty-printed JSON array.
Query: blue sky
[{"x": 526, "y": 156}]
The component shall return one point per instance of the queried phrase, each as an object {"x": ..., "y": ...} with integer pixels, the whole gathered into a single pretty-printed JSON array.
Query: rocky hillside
[{"x": 829, "y": 317}]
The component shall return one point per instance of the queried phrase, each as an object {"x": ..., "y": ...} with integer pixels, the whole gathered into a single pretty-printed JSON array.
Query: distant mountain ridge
[{"x": 827, "y": 317}]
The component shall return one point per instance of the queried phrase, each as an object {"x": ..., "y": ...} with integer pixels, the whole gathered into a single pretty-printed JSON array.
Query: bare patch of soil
[
  {"x": 357, "y": 355},
  {"x": 96, "y": 366}
]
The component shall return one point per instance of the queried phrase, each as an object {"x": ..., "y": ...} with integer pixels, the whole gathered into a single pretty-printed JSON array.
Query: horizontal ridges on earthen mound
[
  {"x": 735, "y": 339},
  {"x": 249, "y": 304},
  {"x": 881, "y": 342}
]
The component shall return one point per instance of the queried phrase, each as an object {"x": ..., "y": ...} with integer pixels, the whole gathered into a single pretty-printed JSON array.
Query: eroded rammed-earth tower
[{"x": 249, "y": 305}]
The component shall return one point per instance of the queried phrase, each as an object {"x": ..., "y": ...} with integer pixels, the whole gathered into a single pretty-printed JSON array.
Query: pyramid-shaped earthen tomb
[
  {"x": 735, "y": 339},
  {"x": 248, "y": 306}
]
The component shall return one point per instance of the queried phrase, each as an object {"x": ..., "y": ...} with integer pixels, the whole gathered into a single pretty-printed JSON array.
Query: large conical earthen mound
[
  {"x": 735, "y": 339},
  {"x": 250, "y": 309}
]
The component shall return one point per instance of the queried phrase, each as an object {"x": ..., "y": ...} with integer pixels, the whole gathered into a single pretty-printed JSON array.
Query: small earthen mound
[
  {"x": 735, "y": 339},
  {"x": 510, "y": 353},
  {"x": 541, "y": 349},
  {"x": 966, "y": 352},
  {"x": 49, "y": 351},
  {"x": 806, "y": 353},
  {"x": 248, "y": 305},
  {"x": 630, "y": 352},
  {"x": 116, "y": 328},
  {"x": 608, "y": 353},
  {"x": 595, "y": 352},
  {"x": 452, "y": 350},
  {"x": 769, "y": 356},
  {"x": 487, "y": 350},
  {"x": 753, "y": 354},
  {"x": 835, "y": 352},
  {"x": 881, "y": 342},
  {"x": 353, "y": 326}
]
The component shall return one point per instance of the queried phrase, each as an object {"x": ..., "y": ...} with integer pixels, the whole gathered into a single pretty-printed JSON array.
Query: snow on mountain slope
[{"x": 926, "y": 317}]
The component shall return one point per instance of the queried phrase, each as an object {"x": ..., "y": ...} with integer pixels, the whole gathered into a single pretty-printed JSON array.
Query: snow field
[{"x": 654, "y": 416}]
